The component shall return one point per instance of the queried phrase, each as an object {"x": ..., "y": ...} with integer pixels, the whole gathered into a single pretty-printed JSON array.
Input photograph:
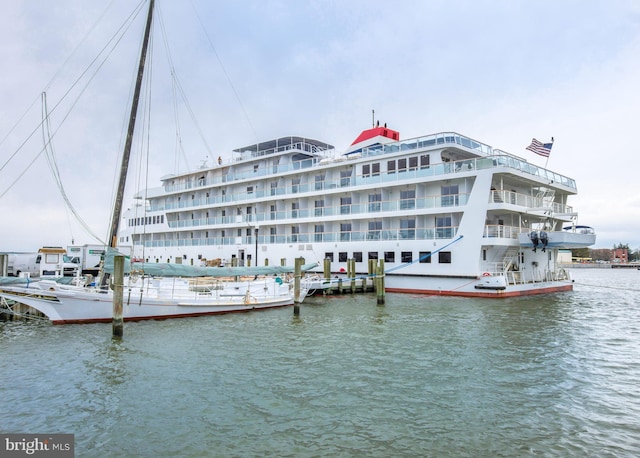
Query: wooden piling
[
  {"x": 380, "y": 283},
  {"x": 326, "y": 268},
  {"x": 296, "y": 285},
  {"x": 118, "y": 281},
  {"x": 351, "y": 263}
]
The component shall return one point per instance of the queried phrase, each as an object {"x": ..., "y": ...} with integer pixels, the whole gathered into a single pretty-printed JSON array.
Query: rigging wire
[
  {"x": 55, "y": 171},
  {"x": 224, "y": 70},
  {"x": 55, "y": 75},
  {"x": 113, "y": 42}
]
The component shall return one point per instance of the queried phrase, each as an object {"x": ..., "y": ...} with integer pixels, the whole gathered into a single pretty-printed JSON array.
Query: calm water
[{"x": 421, "y": 376}]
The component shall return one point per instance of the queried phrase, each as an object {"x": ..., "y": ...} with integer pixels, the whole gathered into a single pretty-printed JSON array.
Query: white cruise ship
[{"x": 448, "y": 214}]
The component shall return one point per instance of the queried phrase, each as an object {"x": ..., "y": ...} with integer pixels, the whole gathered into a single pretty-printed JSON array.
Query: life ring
[{"x": 486, "y": 274}]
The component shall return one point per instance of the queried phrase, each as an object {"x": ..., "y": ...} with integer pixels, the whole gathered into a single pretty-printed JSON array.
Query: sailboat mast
[{"x": 124, "y": 167}]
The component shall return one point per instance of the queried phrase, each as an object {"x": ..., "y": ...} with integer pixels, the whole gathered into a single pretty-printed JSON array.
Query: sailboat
[{"x": 157, "y": 291}]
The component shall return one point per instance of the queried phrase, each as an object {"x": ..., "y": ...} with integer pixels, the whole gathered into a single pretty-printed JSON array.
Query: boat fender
[{"x": 486, "y": 274}]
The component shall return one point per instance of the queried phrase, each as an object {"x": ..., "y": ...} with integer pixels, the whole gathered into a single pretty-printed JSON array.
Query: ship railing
[
  {"x": 379, "y": 178},
  {"x": 501, "y": 231},
  {"x": 425, "y": 233},
  {"x": 501, "y": 196},
  {"x": 521, "y": 277}
]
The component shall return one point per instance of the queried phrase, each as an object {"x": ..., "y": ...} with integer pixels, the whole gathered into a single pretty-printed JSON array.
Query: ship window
[
  {"x": 391, "y": 166},
  {"x": 319, "y": 207},
  {"x": 329, "y": 256},
  {"x": 319, "y": 230},
  {"x": 444, "y": 257},
  {"x": 425, "y": 257},
  {"x": 319, "y": 182},
  {"x": 274, "y": 188},
  {"x": 272, "y": 235},
  {"x": 443, "y": 227},
  {"x": 345, "y": 178},
  {"x": 375, "y": 202},
  {"x": 373, "y": 255},
  {"x": 407, "y": 256},
  {"x": 375, "y": 228},
  {"x": 295, "y": 206},
  {"x": 255, "y": 168},
  {"x": 450, "y": 196},
  {"x": 345, "y": 205},
  {"x": 366, "y": 170},
  {"x": 424, "y": 161},
  {"x": 375, "y": 169},
  {"x": 408, "y": 199},
  {"x": 402, "y": 165},
  {"x": 345, "y": 232},
  {"x": 295, "y": 230},
  {"x": 249, "y": 189},
  {"x": 408, "y": 228},
  {"x": 295, "y": 185},
  {"x": 357, "y": 256},
  {"x": 413, "y": 163},
  {"x": 342, "y": 256},
  {"x": 389, "y": 256}
]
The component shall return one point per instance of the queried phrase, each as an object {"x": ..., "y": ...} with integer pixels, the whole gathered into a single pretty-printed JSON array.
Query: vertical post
[
  {"x": 380, "y": 283},
  {"x": 4, "y": 262},
  {"x": 352, "y": 273},
  {"x": 296, "y": 286},
  {"x": 118, "y": 280},
  {"x": 371, "y": 271},
  {"x": 257, "y": 228},
  {"x": 326, "y": 268}
]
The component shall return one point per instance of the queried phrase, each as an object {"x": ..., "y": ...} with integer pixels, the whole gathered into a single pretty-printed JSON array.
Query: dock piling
[{"x": 118, "y": 281}]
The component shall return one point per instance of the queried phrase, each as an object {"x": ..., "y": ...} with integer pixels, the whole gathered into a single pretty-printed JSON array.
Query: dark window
[
  {"x": 407, "y": 256},
  {"x": 375, "y": 202},
  {"x": 408, "y": 228},
  {"x": 443, "y": 227},
  {"x": 424, "y": 161},
  {"x": 342, "y": 256},
  {"x": 389, "y": 256},
  {"x": 345, "y": 205},
  {"x": 329, "y": 256},
  {"x": 366, "y": 170},
  {"x": 345, "y": 178},
  {"x": 345, "y": 232},
  {"x": 450, "y": 195},
  {"x": 425, "y": 257},
  {"x": 375, "y": 228},
  {"x": 444, "y": 257},
  {"x": 375, "y": 169},
  {"x": 373, "y": 255},
  {"x": 407, "y": 199},
  {"x": 357, "y": 256},
  {"x": 402, "y": 165},
  {"x": 391, "y": 166},
  {"x": 413, "y": 163}
]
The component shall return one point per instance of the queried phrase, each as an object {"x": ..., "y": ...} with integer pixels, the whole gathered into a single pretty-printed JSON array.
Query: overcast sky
[{"x": 500, "y": 72}]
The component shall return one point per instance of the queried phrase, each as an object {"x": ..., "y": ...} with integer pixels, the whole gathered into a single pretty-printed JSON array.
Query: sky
[{"x": 499, "y": 71}]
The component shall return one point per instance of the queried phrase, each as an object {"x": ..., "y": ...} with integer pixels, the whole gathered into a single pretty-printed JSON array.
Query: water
[{"x": 555, "y": 375}]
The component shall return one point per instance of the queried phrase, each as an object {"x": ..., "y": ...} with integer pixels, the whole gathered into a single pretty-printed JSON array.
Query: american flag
[{"x": 543, "y": 149}]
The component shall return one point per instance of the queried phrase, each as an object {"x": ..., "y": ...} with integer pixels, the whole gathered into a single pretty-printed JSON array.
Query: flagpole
[{"x": 547, "y": 161}]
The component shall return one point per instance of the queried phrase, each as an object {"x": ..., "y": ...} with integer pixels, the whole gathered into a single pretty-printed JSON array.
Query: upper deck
[{"x": 305, "y": 154}]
